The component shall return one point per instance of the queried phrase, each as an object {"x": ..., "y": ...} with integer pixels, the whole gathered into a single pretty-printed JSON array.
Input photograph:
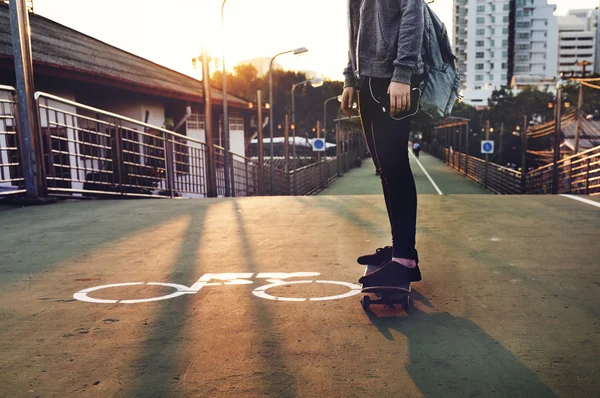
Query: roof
[
  {"x": 63, "y": 52},
  {"x": 589, "y": 133}
]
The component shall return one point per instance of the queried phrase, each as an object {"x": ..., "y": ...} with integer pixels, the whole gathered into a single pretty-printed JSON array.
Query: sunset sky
[{"x": 171, "y": 32}]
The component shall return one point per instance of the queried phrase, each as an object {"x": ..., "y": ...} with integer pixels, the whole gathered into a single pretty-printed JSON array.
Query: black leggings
[{"x": 388, "y": 142}]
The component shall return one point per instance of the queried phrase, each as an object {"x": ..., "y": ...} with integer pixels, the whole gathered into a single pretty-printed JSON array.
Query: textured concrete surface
[
  {"x": 508, "y": 305},
  {"x": 363, "y": 181}
]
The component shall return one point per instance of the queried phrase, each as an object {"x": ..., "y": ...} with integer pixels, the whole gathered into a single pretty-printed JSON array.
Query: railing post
[
  {"x": 232, "y": 173},
  {"x": 467, "y": 151},
  {"x": 487, "y": 156},
  {"x": 173, "y": 164},
  {"x": 557, "y": 134},
  {"x": 246, "y": 171},
  {"x": 587, "y": 176},
  {"x": 169, "y": 164},
  {"x": 120, "y": 166}
]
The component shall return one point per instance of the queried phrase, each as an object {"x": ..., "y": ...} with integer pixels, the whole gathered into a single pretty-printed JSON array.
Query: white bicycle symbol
[{"x": 275, "y": 279}]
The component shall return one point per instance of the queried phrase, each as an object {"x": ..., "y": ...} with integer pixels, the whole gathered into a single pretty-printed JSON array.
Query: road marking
[
  {"x": 584, "y": 200},
  {"x": 426, "y": 173}
]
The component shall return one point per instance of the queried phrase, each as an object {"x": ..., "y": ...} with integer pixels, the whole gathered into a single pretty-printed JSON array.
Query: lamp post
[
  {"x": 225, "y": 109},
  {"x": 318, "y": 82},
  {"x": 297, "y": 51},
  {"x": 339, "y": 98}
]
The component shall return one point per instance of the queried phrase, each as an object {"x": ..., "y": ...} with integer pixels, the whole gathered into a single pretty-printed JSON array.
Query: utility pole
[
  {"x": 211, "y": 180},
  {"x": 261, "y": 160},
  {"x": 524, "y": 156},
  {"x": 487, "y": 156},
  {"x": 557, "y": 135},
  {"x": 29, "y": 124},
  {"x": 579, "y": 116},
  {"x": 501, "y": 147}
]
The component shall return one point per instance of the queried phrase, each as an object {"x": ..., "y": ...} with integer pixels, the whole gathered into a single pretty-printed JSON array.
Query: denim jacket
[{"x": 386, "y": 39}]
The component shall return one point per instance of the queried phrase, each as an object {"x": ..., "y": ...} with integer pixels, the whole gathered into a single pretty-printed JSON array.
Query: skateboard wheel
[
  {"x": 365, "y": 301},
  {"x": 406, "y": 302}
]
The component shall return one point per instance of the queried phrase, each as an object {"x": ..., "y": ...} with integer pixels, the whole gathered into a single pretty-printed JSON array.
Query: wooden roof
[{"x": 63, "y": 52}]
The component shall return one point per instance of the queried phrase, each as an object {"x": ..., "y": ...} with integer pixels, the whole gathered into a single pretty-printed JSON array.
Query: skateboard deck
[{"x": 388, "y": 295}]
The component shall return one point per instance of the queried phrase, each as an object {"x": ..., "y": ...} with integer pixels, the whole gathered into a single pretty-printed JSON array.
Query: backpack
[{"x": 440, "y": 81}]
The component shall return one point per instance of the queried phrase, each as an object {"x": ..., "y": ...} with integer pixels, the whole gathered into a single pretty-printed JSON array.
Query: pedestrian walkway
[
  {"x": 508, "y": 306},
  {"x": 428, "y": 172}
]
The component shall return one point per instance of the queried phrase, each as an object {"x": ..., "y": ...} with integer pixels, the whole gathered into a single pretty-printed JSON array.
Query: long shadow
[
  {"x": 277, "y": 380},
  {"x": 453, "y": 357},
  {"x": 36, "y": 239},
  {"x": 165, "y": 359}
]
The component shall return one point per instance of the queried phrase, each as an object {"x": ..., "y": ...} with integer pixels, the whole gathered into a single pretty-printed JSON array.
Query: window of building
[
  {"x": 504, "y": 65},
  {"x": 523, "y": 46},
  {"x": 523, "y": 24},
  {"x": 504, "y": 31},
  {"x": 492, "y": 43},
  {"x": 504, "y": 54},
  {"x": 480, "y": 8},
  {"x": 477, "y": 87},
  {"x": 505, "y": 43},
  {"x": 479, "y": 43},
  {"x": 505, "y": 19},
  {"x": 480, "y": 20},
  {"x": 493, "y": 19},
  {"x": 523, "y": 36},
  {"x": 478, "y": 78},
  {"x": 493, "y": 7},
  {"x": 504, "y": 77},
  {"x": 196, "y": 120},
  {"x": 480, "y": 32},
  {"x": 491, "y": 66},
  {"x": 478, "y": 66},
  {"x": 492, "y": 54},
  {"x": 522, "y": 68},
  {"x": 479, "y": 55},
  {"x": 491, "y": 76},
  {"x": 236, "y": 122},
  {"x": 506, "y": 7}
]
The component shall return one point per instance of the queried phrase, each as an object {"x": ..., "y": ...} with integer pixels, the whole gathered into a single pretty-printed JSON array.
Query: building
[
  {"x": 504, "y": 43},
  {"x": 577, "y": 40},
  {"x": 535, "y": 46},
  {"x": 86, "y": 71}
]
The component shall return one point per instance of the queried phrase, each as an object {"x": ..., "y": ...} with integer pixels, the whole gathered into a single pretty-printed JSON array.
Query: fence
[
  {"x": 12, "y": 181},
  {"x": 577, "y": 174},
  {"x": 91, "y": 152}
]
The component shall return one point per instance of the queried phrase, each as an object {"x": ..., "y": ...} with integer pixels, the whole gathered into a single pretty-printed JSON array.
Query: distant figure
[{"x": 416, "y": 148}]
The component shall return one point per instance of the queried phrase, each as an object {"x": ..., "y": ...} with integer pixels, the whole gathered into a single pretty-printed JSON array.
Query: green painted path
[
  {"x": 508, "y": 306},
  {"x": 363, "y": 181}
]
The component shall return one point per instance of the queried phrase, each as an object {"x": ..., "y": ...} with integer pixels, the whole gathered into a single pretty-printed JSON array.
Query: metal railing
[
  {"x": 91, "y": 152},
  {"x": 12, "y": 181},
  {"x": 97, "y": 153},
  {"x": 577, "y": 174}
]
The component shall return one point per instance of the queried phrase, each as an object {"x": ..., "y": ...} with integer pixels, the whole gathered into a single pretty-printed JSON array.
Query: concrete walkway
[
  {"x": 363, "y": 181},
  {"x": 508, "y": 307}
]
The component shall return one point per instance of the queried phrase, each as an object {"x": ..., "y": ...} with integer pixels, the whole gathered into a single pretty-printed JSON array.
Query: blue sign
[
  {"x": 319, "y": 144},
  {"x": 487, "y": 147}
]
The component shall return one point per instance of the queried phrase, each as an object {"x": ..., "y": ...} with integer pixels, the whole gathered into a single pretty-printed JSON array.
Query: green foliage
[{"x": 244, "y": 83}]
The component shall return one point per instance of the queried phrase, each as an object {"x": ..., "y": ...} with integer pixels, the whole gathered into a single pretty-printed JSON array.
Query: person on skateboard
[{"x": 386, "y": 41}]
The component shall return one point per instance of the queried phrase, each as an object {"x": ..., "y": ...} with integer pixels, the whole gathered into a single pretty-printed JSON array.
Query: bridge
[{"x": 256, "y": 296}]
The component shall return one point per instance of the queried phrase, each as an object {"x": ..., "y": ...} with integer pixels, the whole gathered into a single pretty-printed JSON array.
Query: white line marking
[
  {"x": 584, "y": 200},
  {"x": 426, "y": 173}
]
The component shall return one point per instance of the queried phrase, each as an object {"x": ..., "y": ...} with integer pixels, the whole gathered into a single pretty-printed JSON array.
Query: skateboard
[{"x": 388, "y": 295}]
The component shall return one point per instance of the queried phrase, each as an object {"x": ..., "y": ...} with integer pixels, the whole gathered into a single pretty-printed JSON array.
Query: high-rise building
[
  {"x": 536, "y": 43},
  {"x": 503, "y": 43},
  {"x": 577, "y": 40}
]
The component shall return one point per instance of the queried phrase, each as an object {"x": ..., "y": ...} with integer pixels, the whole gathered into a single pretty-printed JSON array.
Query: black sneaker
[
  {"x": 391, "y": 274},
  {"x": 379, "y": 258},
  {"x": 414, "y": 274}
]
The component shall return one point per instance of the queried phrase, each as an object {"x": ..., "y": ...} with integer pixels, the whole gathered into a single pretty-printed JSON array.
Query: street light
[
  {"x": 225, "y": 109},
  {"x": 339, "y": 99},
  {"x": 317, "y": 82},
  {"x": 297, "y": 51}
]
